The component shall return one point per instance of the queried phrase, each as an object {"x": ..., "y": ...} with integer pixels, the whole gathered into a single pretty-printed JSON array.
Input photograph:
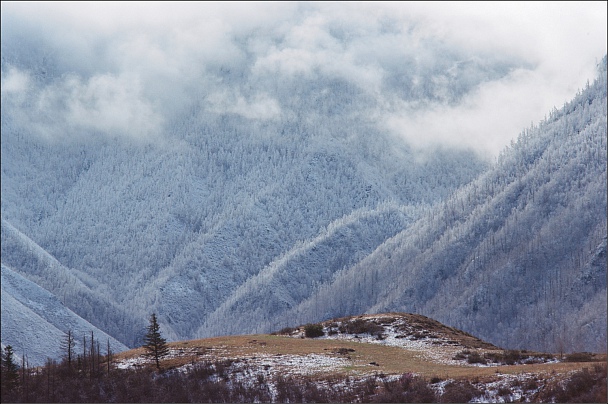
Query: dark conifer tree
[
  {"x": 155, "y": 345},
  {"x": 10, "y": 371}
]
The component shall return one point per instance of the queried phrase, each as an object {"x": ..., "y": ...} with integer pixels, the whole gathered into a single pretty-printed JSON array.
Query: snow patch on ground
[
  {"x": 508, "y": 389},
  {"x": 394, "y": 334},
  {"x": 271, "y": 364},
  {"x": 132, "y": 363},
  {"x": 304, "y": 365}
]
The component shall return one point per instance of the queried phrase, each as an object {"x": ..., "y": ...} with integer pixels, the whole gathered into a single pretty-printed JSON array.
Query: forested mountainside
[
  {"x": 119, "y": 223},
  {"x": 518, "y": 256},
  {"x": 276, "y": 173}
]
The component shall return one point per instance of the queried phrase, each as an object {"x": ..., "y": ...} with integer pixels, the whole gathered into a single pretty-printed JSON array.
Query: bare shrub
[
  {"x": 504, "y": 391},
  {"x": 531, "y": 384},
  {"x": 459, "y": 392},
  {"x": 579, "y": 357},
  {"x": 408, "y": 389},
  {"x": 462, "y": 355},
  {"x": 313, "y": 330},
  {"x": 585, "y": 386},
  {"x": 475, "y": 357},
  {"x": 511, "y": 357},
  {"x": 361, "y": 326}
]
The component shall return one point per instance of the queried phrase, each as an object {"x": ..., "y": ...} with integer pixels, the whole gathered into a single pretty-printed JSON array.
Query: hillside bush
[
  {"x": 511, "y": 357},
  {"x": 504, "y": 391},
  {"x": 361, "y": 326},
  {"x": 332, "y": 328},
  {"x": 462, "y": 355},
  {"x": 459, "y": 392},
  {"x": 475, "y": 357},
  {"x": 531, "y": 384},
  {"x": 579, "y": 357},
  {"x": 407, "y": 389},
  {"x": 313, "y": 330}
]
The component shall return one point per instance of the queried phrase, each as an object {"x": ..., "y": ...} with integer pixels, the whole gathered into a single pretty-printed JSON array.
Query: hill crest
[{"x": 377, "y": 349}]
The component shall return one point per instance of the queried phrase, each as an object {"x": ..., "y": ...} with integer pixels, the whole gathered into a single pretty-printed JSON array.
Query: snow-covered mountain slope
[
  {"x": 177, "y": 229},
  {"x": 35, "y": 322},
  {"x": 74, "y": 288},
  {"x": 229, "y": 180},
  {"x": 181, "y": 222},
  {"x": 258, "y": 303},
  {"x": 517, "y": 256}
]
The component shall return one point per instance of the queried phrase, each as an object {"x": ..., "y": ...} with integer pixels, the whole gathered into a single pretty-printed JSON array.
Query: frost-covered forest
[
  {"x": 256, "y": 180},
  {"x": 518, "y": 255}
]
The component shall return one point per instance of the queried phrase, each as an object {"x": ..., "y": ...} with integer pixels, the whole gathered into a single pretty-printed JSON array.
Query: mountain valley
[{"x": 257, "y": 179}]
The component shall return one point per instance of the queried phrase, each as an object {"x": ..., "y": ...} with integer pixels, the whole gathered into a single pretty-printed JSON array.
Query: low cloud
[
  {"x": 461, "y": 74},
  {"x": 486, "y": 119},
  {"x": 261, "y": 107},
  {"x": 15, "y": 85},
  {"x": 72, "y": 106},
  {"x": 106, "y": 103}
]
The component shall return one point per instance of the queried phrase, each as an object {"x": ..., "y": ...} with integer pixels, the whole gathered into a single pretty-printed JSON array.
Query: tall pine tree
[
  {"x": 9, "y": 372},
  {"x": 155, "y": 345}
]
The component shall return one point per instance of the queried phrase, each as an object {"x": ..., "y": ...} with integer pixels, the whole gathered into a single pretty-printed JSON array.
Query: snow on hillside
[
  {"x": 240, "y": 185},
  {"x": 178, "y": 226},
  {"x": 76, "y": 289},
  {"x": 335, "y": 368},
  {"x": 392, "y": 334},
  {"x": 517, "y": 257},
  {"x": 35, "y": 322},
  {"x": 342, "y": 244}
]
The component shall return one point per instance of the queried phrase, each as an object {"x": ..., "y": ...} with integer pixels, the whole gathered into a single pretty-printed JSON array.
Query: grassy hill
[
  {"x": 388, "y": 357},
  {"x": 374, "y": 355}
]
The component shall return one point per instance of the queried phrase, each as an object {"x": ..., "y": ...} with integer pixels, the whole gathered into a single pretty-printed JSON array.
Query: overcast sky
[{"x": 132, "y": 65}]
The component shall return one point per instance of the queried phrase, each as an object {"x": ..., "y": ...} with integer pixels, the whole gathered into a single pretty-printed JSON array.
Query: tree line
[{"x": 23, "y": 382}]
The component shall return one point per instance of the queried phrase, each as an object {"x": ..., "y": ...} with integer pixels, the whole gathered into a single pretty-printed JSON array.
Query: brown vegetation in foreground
[
  {"x": 256, "y": 368},
  {"x": 213, "y": 382}
]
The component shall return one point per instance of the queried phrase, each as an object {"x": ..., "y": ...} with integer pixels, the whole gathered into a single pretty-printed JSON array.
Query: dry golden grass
[{"x": 386, "y": 359}]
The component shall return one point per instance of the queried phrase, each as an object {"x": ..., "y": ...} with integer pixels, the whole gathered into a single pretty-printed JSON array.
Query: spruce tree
[
  {"x": 155, "y": 345},
  {"x": 10, "y": 371}
]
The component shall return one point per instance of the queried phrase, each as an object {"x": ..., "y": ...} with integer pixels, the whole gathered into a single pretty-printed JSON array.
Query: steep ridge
[
  {"x": 281, "y": 284},
  {"x": 75, "y": 289},
  {"x": 35, "y": 322},
  {"x": 517, "y": 257}
]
